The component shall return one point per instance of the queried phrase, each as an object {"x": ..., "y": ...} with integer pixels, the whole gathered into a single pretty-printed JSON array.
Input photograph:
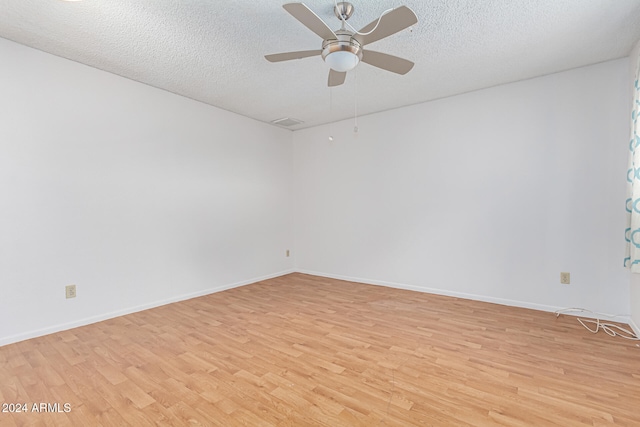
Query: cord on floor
[{"x": 608, "y": 328}]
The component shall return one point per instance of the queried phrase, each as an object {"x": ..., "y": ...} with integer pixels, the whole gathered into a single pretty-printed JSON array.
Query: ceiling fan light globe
[
  {"x": 343, "y": 54},
  {"x": 342, "y": 61}
]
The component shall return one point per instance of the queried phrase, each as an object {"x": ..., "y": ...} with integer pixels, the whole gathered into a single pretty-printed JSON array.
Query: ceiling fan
[{"x": 343, "y": 49}]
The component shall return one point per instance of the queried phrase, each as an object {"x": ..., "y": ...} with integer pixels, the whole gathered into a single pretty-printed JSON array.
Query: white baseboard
[
  {"x": 501, "y": 301},
  {"x": 89, "y": 320},
  {"x": 634, "y": 326},
  {"x": 110, "y": 315}
]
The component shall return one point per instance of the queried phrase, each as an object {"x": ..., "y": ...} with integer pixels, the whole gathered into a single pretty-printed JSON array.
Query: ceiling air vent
[{"x": 286, "y": 122}]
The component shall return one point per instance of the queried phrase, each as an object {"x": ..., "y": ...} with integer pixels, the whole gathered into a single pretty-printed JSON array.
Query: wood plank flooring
[{"x": 301, "y": 350}]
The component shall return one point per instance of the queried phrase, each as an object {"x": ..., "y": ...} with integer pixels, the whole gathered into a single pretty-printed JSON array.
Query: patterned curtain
[{"x": 632, "y": 233}]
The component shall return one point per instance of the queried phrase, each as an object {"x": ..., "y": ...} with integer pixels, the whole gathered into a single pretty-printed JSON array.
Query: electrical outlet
[
  {"x": 70, "y": 291},
  {"x": 565, "y": 278},
  {"x": 287, "y": 252}
]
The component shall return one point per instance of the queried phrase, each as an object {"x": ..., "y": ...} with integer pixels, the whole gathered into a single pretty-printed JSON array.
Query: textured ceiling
[{"x": 212, "y": 50}]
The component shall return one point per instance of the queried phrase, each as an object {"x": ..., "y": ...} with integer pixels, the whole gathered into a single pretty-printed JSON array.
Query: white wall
[
  {"x": 635, "y": 278},
  {"x": 635, "y": 302},
  {"x": 489, "y": 194},
  {"x": 136, "y": 195}
]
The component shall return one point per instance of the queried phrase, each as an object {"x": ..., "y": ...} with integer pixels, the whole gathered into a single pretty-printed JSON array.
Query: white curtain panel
[{"x": 632, "y": 233}]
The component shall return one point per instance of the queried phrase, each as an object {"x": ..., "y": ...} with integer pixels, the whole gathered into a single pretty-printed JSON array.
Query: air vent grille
[{"x": 286, "y": 122}]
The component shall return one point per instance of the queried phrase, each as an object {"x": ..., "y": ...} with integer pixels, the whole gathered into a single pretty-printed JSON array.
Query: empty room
[{"x": 265, "y": 213}]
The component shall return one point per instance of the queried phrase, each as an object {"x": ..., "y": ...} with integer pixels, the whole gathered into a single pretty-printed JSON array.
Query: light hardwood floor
[{"x": 302, "y": 350}]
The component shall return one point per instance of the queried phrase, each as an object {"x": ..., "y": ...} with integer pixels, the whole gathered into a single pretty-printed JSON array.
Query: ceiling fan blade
[
  {"x": 387, "y": 62},
  {"x": 396, "y": 20},
  {"x": 287, "y": 56},
  {"x": 310, "y": 20},
  {"x": 336, "y": 78}
]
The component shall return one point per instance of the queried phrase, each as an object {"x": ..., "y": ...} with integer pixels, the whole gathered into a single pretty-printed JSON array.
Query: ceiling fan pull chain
[
  {"x": 355, "y": 96},
  {"x": 330, "y": 111}
]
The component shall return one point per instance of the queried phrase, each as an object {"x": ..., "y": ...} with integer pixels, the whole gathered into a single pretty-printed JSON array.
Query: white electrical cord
[
  {"x": 609, "y": 328},
  {"x": 344, "y": 21}
]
